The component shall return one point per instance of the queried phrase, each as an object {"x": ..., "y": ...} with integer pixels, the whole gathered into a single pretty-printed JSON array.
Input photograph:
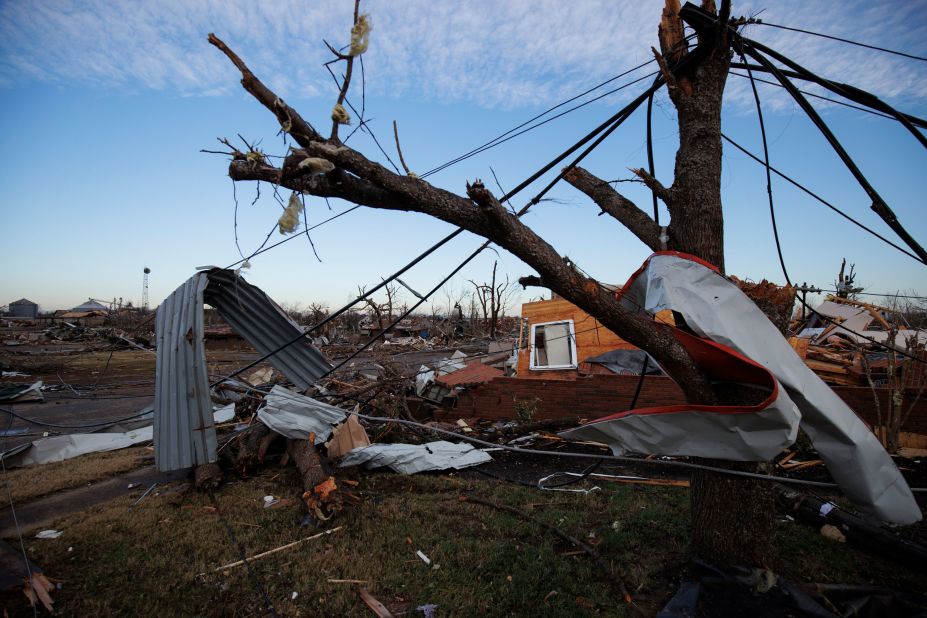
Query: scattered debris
[{"x": 49, "y": 534}]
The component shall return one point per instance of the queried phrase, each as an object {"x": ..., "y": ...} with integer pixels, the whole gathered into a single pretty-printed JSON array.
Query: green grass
[{"x": 160, "y": 558}]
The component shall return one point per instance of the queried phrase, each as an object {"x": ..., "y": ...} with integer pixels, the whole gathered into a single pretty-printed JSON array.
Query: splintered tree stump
[
  {"x": 320, "y": 491},
  {"x": 207, "y": 476}
]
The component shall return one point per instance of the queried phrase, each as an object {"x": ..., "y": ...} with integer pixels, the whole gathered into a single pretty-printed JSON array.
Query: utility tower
[{"x": 147, "y": 271}]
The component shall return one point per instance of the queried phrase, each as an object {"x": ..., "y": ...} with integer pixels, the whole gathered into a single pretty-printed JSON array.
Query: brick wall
[
  {"x": 594, "y": 396},
  {"x": 590, "y": 396}
]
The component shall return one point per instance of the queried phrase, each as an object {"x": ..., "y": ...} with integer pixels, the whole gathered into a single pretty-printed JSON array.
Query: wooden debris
[
  {"x": 378, "y": 608},
  {"x": 37, "y": 589},
  {"x": 274, "y": 551}
]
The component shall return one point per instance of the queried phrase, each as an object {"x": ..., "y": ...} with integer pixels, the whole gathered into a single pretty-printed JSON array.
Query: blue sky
[{"x": 104, "y": 107}]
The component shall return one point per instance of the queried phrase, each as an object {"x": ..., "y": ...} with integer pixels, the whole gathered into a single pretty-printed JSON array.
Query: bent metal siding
[
  {"x": 263, "y": 324},
  {"x": 184, "y": 431}
]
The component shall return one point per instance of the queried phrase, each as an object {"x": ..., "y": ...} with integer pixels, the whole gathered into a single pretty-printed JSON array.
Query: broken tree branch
[
  {"x": 402, "y": 159},
  {"x": 616, "y": 205},
  {"x": 365, "y": 182},
  {"x": 290, "y": 121}
]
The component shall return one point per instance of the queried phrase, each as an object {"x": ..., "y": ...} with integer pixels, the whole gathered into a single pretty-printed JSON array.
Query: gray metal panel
[
  {"x": 184, "y": 431},
  {"x": 257, "y": 318}
]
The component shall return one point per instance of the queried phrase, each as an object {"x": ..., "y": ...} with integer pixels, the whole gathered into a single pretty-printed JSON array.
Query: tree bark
[
  {"x": 249, "y": 451},
  {"x": 320, "y": 491}
]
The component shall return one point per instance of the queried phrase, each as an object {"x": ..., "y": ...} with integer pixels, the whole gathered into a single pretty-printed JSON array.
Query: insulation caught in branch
[
  {"x": 289, "y": 220},
  {"x": 360, "y": 35}
]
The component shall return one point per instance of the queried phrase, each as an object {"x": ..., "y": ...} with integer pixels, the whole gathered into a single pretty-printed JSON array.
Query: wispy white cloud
[{"x": 488, "y": 53}]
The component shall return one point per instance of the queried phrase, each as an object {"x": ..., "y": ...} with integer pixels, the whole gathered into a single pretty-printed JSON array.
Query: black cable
[
  {"x": 507, "y": 479},
  {"x": 879, "y": 206},
  {"x": 858, "y": 108},
  {"x": 241, "y": 552},
  {"x": 822, "y": 200},
  {"x": 854, "y": 94},
  {"x": 582, "y": 476},
  {"x": 842, "y": 40},
  {"x": 882, "y": 294},
  {"x": 782, "y": 261},
  {"x": 289, "y": 238},
  {"x": 650, "y": 164},
  {"x": 86, "y": 426},
  {"x": 500, "y": 140},
  {"x": 407, "y": 313},
  {"x": 772, "y": 210},
  {"x": 845, "y": 90},
  {"x": 640, "y": 382}
]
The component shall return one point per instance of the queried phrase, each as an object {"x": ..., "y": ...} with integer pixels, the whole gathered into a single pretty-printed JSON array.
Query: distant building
[
  {"x": 24, "y": 308},
  {"x": 91, "y": 305}
]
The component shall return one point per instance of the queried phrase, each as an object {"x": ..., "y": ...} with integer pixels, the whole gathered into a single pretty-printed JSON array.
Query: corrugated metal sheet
[
  {"x": 265, "y": 326},
  {"x": 184, "y": 432}
]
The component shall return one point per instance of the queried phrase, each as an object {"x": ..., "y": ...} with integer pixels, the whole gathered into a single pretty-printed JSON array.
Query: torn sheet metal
[
  {"x": 296, "y": 416},
  {"x": 263, "y": 324},
  {"x": 719, "y": 311},
  {"x": 413, "y": 458},
  {"x": 59, "y": 448},
  {"x": 184, "y": 435}
]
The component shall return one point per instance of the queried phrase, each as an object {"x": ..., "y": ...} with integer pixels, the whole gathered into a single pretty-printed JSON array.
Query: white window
[{"x": 553, "y": 345}]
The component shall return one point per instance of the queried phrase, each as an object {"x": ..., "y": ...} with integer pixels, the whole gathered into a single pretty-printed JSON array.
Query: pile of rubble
[{"x": 844, "y": 341}]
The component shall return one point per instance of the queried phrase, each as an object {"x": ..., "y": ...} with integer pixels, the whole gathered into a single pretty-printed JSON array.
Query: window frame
[{"x": 531, "y": 347}]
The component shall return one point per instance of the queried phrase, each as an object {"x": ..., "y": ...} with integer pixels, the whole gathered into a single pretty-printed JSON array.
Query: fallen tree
[{"x": 731, "y": 518}]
